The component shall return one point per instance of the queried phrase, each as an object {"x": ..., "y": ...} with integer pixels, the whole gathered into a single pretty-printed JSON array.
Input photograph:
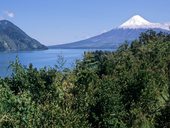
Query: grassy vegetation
[{"x": 128, "y": 88}]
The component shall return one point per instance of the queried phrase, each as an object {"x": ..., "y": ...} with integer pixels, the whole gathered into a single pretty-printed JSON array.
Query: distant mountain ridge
[
  {"x": 12, "y": 38},
  {"x": 128, "y": 31}
]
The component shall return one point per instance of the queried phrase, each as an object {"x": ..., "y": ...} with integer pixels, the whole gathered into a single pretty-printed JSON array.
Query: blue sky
[{"x": 64, "y": 21}]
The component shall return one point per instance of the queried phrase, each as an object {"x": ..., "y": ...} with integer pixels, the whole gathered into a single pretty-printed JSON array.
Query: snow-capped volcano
[
  {"x": 137, "y": 22},
  {"x": 128, "y": 31}
]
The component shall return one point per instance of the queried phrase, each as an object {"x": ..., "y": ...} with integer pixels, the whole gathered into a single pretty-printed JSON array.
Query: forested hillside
[
  {"x": 128, "y": 88},
  {"x": 12, "y": 38}
]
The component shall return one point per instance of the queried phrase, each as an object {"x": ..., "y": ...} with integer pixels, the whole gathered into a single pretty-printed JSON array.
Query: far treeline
[{"x": 127, "y": 88}]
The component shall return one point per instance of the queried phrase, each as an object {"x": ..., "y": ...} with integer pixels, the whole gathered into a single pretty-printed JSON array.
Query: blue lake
[{"x": 40, "y": 59}]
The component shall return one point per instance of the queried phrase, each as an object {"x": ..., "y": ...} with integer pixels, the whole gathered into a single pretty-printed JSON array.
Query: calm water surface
[{"x": 40, "y": 58}]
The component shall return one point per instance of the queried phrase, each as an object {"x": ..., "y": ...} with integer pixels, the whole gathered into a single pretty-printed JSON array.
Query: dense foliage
[{"x": 128, "y": 88}]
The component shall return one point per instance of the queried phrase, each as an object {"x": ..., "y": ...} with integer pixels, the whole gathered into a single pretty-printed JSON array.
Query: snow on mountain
[
  {"x": 136, "y": 21},
  {"x": 139, "y": 22},
  {"x": 128, "y": 31}
]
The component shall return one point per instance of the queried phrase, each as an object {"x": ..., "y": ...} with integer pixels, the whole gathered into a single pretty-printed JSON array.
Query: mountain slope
[
  {"x": 128, "y": 31},
  {"x": 13, "y": 38}
]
